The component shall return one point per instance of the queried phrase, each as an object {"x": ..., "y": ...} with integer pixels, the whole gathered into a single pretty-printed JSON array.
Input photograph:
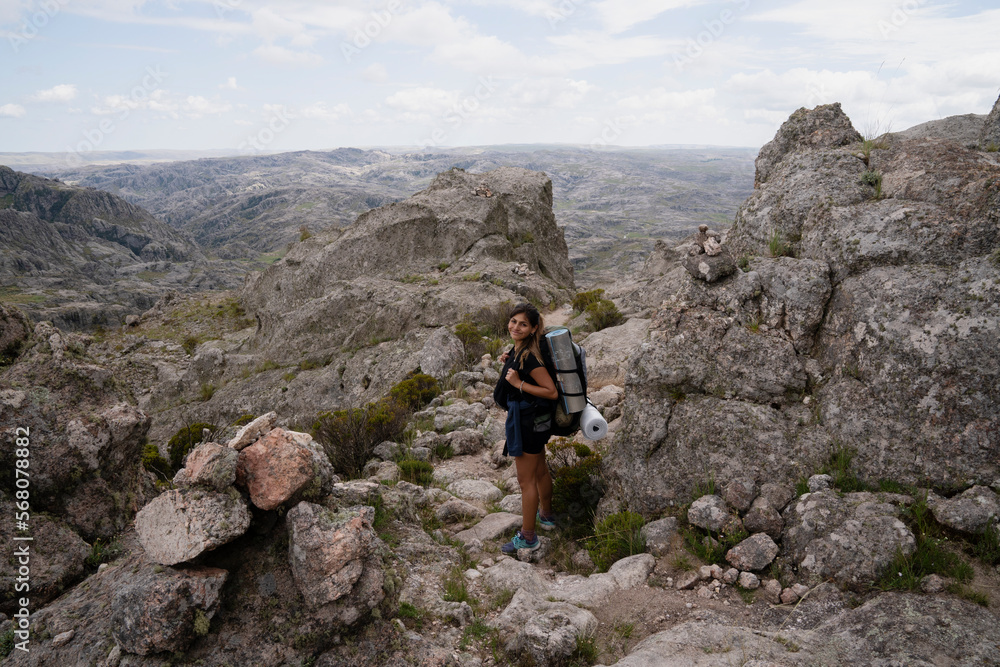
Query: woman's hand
[
  {"x": 503, "y": 358},
  {"x": 513, "y": 378}
]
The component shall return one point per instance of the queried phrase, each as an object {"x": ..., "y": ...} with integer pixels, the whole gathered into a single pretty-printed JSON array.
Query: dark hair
[{"x": 535, "y": 320}]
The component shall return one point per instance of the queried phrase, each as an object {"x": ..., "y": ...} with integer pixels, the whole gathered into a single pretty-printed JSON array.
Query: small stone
[
  {"x": 705, "y": 572},
  {"x": 788, "y": 596},
  {"x": 772, "y": 591},
  {"x": 731, "y": 576},
  {"x": 687, "y": 580},
  {"x": 249, "y": 433},
  {"x": 705, "y": 592},
  {"x": 473, "y": 574},
  {"x": 800, "y": 590},
  {"x": 717, "y": 572},
  {"x": 819, "y": 483},
  {"x": 659, "y": 534},
  {"x": 932, "y": 583},
  {"x": 709, "y": 512},
  {"x": 63, "y": 638},
  {"x": 740, "y": 493},
  {"x": 754, "y": 553},
  {"x": 749, "y": 580}
]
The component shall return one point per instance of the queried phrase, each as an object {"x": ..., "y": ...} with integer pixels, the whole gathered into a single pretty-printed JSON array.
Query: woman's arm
[{"x": 544, "y": 387}]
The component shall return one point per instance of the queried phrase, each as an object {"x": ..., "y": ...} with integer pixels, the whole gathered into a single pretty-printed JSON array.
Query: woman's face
[{"x": 519, "y": 327}]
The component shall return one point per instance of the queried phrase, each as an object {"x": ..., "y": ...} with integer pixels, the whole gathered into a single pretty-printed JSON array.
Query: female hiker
[{"x": 526, "y": 390}]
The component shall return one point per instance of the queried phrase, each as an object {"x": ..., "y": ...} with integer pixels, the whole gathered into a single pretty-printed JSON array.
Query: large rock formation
[
  {"x": 875, "y": 334},
  {"x": 424, "y": 262}
]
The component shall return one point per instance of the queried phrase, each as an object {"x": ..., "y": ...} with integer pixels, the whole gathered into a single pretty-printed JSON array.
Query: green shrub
[
  {"x": 154, "y": 462},
  {"x": 7, "y": 642},
  {"x": 186, "y": 438},
  {"x": 350, "y": 436},
  {"x": 616, "y": 537},
  {"x": 416, "y": 472},
  {"x": 189, "y": 344},
  {"x": 711, "y": 547},
  {"x": 415, "y": 392},
  {"x": 243, "y": 420},
  {"x": 206, "y": 392},
  {"x": 583, "y": 300},
  {"x": 777, "y": 247},
  {"x": 102, "y": 553},
  {"x": 472, "y": 340},
  {"x": 304, "y": 233},
  {"x": 986, "y": 546},
  {"x": 706, "y": 488},
  {"x": 492, "y": 320},
  {"x": 576, "y": 491},
  {"x": 744, "y": 263},
  {"x": 603, "y": 314}
]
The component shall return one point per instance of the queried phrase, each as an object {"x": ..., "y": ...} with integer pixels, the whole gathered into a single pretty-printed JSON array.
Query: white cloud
[
  {"x": 230, "y": 84},
  {"x": 279, "y": 55},
  {"x": 12, "y": 110},
  {"x": 375, "y": 73},
  {"x": 423, "y": 100},
  {"x": 196, "y": 106},
  {"x": 620, "y": 15},
  {"x": 548, "y": 93},
  {"x": 64, "y": 92},
  {"x": 321, "y": 111}
]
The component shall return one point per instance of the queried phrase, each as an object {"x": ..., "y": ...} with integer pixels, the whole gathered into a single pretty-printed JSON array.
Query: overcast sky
[{"x": 306, "y": 74}]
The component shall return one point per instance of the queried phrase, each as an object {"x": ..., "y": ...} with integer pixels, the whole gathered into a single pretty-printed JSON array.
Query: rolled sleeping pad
[
  {"x": 592, "y": 424},
  {"x": 563, "y": 350},
  {"x": 574, "y": 400}
]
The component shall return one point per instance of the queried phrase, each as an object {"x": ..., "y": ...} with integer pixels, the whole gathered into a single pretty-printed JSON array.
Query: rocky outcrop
[
  {"x": 373, "y": 279},
  {"x": 869, "y": 332},
  {"x": 15, "y": 332},
  {"x": 85, "y": 436}
]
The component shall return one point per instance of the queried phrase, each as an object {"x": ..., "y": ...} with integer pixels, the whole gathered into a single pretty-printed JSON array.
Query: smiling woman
[{"x": 526, "y": 390}]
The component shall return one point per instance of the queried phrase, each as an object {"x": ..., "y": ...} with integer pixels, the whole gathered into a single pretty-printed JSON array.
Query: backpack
[{"x": 567, "y": 364}]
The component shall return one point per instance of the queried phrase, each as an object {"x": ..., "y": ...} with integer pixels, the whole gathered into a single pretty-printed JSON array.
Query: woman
[{"x": 526, "y": 390}]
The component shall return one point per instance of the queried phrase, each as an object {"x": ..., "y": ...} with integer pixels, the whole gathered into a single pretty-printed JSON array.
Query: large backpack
[{"x": 567, "y": 364}]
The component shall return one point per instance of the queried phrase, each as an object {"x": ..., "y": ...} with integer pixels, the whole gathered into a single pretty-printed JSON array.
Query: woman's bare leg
[
  {"x": 527, "y": 468},
  {"x": 543, "y": 481}
]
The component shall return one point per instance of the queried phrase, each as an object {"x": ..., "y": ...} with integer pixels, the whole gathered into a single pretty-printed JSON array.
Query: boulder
[
  {"x": 182, "y": 523},
  {"x": 491, "y": 527},
  {"x": 458, "y": 510},
  {"x": 973, "y": 511},
  {"x": 711, "y": 268},
  {"x": 441, "y": 353},
  {"x": 164, "y": 609},
  {"x": 281, "y": 466},
  {"x": 250, "y": 432},
  {"x": 209, "y": 464},
  {"x": 740, "y": 493},
  {"x": 328, "y": 550},
  {"x": 476, "y": 489},
  {"x": 711, "y": 513},
  {"x": 850, "y": 539},
  {"x": 659, "y": 535},
  {"x": 754, "y": 553},
  {"x": 609, "y": 351},
  {"x": 545, "y": 631},
  {"x": 749, "y": 581},
  {"x": 465, "y": 441},
  {"x": 762, "y": 518}
]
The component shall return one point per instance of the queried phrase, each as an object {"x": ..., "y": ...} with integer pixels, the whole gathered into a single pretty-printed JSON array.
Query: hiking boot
[
  {"x": 545, "y": 523},
  {"x": 519, "y": 542}
]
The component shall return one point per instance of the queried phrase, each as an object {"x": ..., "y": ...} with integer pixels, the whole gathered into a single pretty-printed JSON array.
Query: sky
[{"x": 258, "y": 76}]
